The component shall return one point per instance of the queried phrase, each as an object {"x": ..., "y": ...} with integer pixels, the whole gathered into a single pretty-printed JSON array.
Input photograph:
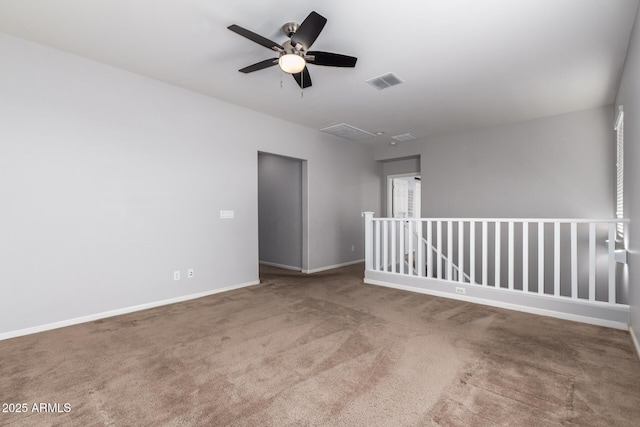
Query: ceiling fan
[{"x": 294, "y": 54}]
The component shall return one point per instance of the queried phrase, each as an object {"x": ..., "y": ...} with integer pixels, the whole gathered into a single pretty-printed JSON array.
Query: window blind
[{"x": 620, "y": 171}]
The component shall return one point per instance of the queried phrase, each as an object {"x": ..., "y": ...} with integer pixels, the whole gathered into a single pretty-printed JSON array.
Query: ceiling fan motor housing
[{"x": 288, "y": 48}]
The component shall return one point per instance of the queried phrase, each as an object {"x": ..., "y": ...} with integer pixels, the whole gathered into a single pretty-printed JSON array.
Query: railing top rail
[{"x": 563, "y": 220}]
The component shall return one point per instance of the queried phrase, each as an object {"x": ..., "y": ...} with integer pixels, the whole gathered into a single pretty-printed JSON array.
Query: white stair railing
[
  {"x": 562, "y": 258},
  {"x": 456, "y": 271}
]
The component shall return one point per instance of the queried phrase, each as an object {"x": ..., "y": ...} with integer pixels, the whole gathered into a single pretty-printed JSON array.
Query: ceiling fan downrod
[{"x": 290, "y": 28}]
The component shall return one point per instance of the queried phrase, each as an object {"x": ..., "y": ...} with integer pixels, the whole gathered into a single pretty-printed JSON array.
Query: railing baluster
[
  {"x": 556, "y": 258},
  {"x": 429, "y": 249},
  {"x": 410, "y": 241},
  {"x": 574, "y": 260},
  {"x": 377, "y": 245},
  {"x": 385, "y": 245},
  {"x": 401, "y": 243},
  {"x": 439, "y": 248},
  {"x": 485, "y": 250},
  {"x": 525, "y": 256},
  {"x": 612, "y": 263},
  {"x": 592, "y": 261},
  {"x": 449, "y": 250},
  {"x": 497, "y": 255},
  {"x": 541, "y": 257},
  {"x": 472, "y": 252},
  {"x": 511, "y": 255},
  {"x": 460, "y": 251},
  {"x": 419, "y": 249},
  {"x": 394, "y": 258}
]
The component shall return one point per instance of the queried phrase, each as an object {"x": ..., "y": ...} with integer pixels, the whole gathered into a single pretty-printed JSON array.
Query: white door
[
  {"x": 405, "y": 203},
  {"x": 400, "y": 197}
]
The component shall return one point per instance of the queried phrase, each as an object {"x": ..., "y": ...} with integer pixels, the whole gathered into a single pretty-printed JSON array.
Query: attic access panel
[{"x": 346, "y": 131}]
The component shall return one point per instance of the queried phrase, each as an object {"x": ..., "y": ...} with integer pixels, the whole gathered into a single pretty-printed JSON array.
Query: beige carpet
[{"x": 326, "y": 350}]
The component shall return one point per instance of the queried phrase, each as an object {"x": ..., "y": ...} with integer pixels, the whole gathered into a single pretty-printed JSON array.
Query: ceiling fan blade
[
  {"x": 259, "y": 65},
  {"x": 331, "y": 59},
  {"x": 309, "y": 30},
  {"x": 303, "y": 78},
  {"x": 256, "y": 38}
]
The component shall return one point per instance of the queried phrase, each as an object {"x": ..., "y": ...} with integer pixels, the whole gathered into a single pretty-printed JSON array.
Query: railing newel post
[{"x": 368, "y": 241}]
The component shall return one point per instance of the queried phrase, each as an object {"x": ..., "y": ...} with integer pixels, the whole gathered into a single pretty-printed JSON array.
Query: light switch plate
[{"x": 227, "y": 214}]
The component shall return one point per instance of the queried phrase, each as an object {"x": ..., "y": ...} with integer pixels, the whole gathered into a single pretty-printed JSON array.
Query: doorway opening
[
  {"x": 404, "y": 201},
  {"x": 282, "y": 212},
  {"x": 404, "y": 195}
]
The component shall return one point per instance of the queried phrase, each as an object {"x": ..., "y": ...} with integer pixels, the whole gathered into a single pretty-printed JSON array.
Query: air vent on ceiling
[
  {"x": 385, "y": 81},
  {"x": 344, "y": 130},
  {"x": 404, "y": 137}
]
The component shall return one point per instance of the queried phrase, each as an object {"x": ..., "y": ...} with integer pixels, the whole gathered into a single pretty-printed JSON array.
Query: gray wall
[
  {"x": 629, "y": 97},
  {"x": 561, "y": 166},
  {"x": 110, "y": 181},
  {"x": 280, "y": 210}
]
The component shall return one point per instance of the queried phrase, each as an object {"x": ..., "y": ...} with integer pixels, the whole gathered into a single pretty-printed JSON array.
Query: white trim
[
  {"x": 118, "y": 312},
  {"x": 508, "y": 306},
  {"x": 560, "y": 220},
  {"x": 331, "y": 267},
  {"x": 504, "y": 291},
  {"x": 286, "y": 267},
  {"x": 635, "y": 340},
  {"x": 306, "y": 235}
]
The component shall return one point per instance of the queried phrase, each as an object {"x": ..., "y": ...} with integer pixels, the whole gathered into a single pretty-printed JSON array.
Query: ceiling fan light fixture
[{"x": 292, "y": 63}]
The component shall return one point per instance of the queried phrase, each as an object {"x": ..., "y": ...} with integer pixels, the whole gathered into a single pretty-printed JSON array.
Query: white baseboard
[
  {"x": 505, "y": 305},
  {"x": 286, "y": 267},
  {"x": 634, "y": 338},
  {"x": 118, "y": 312},
  {"x": 331, "y": 267}
]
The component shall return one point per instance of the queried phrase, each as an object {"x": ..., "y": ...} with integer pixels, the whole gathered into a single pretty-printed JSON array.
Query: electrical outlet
[
  {"x": 460, "y": 290},
  {"x": 176, "y": 275},
  {"x": 190, "y": 273},
  {"x": 353, "y": 248}
]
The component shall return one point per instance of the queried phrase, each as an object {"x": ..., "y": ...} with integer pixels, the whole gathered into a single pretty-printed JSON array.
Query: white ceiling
[{"x": 466, "y": 63}]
